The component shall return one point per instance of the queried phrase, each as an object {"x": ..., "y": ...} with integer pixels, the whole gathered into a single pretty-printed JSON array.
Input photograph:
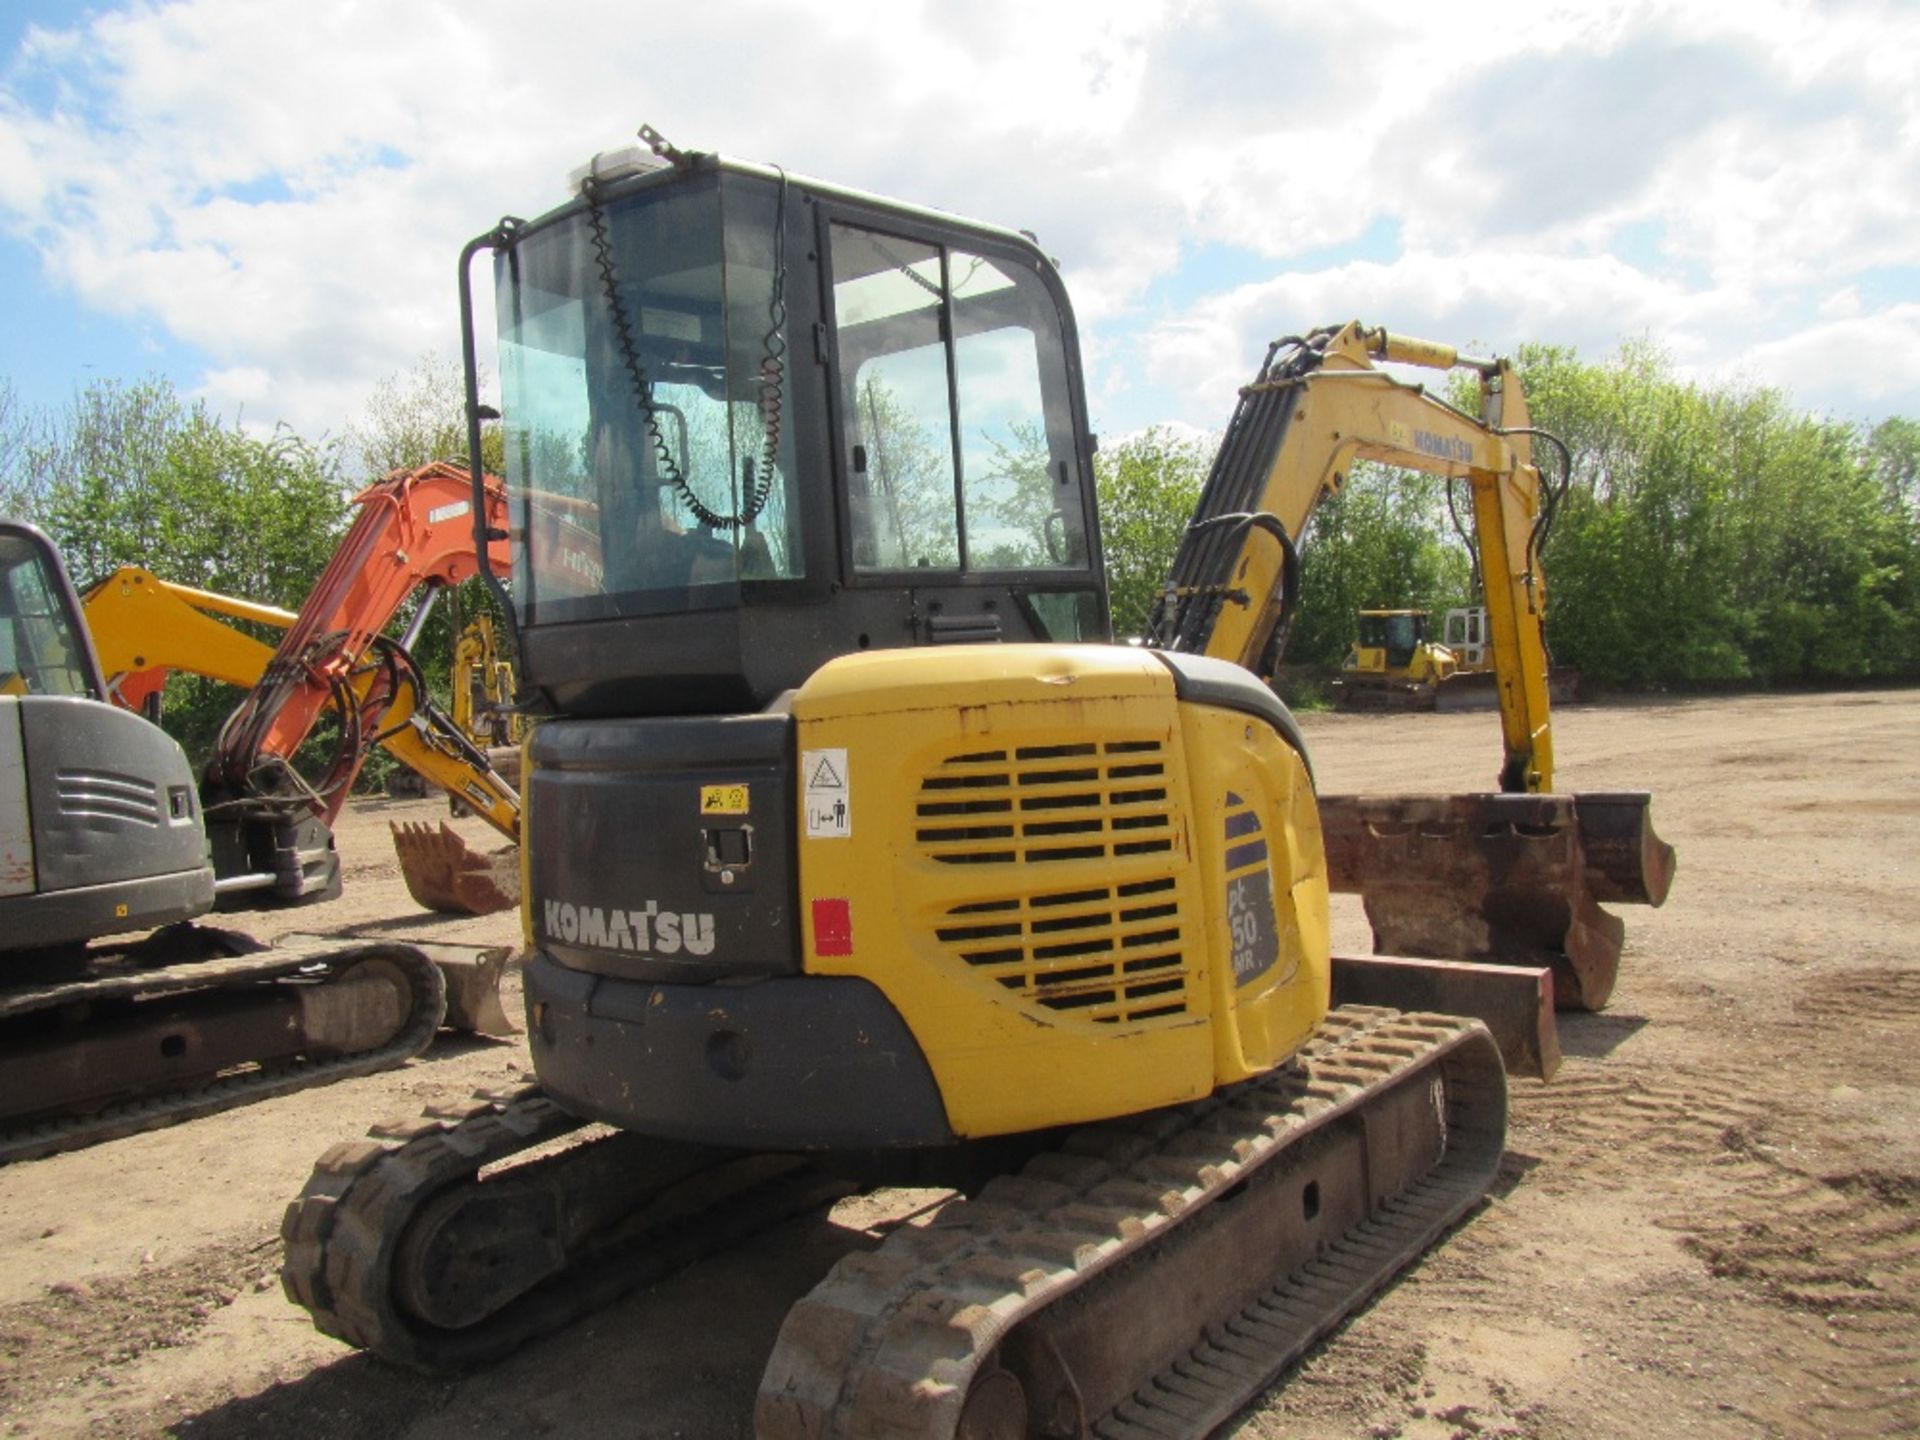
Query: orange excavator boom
[{"x": 414, "y": 530}]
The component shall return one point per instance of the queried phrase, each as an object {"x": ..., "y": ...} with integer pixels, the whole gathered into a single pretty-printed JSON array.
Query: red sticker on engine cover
[{"x": 832, "y": 927}]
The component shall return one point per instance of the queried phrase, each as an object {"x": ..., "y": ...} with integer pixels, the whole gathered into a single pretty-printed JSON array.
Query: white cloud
[
  {"x": 1494, "y": 301},
  {"x": 286, "y": 188},
  {"x": 1864, "y": 366}
]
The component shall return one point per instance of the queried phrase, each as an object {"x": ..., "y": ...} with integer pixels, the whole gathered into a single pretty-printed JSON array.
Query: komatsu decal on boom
[{"x": 821, "y": 634}]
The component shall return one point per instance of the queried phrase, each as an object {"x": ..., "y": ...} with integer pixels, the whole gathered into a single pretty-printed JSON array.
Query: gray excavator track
[
  {"x": 398, "y": 1244},
  {"x": 169, "y": 1088},
  {"x": 1154, "y": 1274}
]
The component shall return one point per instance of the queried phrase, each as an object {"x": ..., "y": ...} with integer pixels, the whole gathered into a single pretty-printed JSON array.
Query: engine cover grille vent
[
  {"x": 1039, "y": 804},
  {"x": 1104, "y": 940},
  {"x": 102, "y": 795},
  {"x": 1109, "y": 953}
]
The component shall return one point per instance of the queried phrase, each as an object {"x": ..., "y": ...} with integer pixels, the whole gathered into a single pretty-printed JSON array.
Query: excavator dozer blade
[
  {"x": 472, "y": 973},
  {"x": 1380, "y": 693},
  {"x": 1507, "y": 879},
  {"x": 444, "y": 873},
  {"x": 1468, "y": 690}
]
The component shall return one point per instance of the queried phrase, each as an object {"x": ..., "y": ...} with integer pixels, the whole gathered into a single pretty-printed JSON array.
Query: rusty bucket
[
  {"x": 444, "y": 873},
  {"x": 1505, "y": 879}
]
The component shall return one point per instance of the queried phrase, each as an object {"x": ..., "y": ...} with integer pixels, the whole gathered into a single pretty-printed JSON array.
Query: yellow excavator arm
[
  {"x": 1301, "y": 425},
  {"x": 145, "y": 627},
  {"x": 483, "y": 686},
  {"x": 1512, "y": 876}
]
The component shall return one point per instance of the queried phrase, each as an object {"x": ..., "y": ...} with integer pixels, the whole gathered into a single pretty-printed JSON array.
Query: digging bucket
[
  {"x": 1506, "y": 879},
  {"x": 444, "y": 873}
]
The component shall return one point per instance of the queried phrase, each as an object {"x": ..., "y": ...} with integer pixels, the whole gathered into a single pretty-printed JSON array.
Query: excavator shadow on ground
[
  {"x": 685, "y": 1354},
  {"x": 1596, "y": 1035}
]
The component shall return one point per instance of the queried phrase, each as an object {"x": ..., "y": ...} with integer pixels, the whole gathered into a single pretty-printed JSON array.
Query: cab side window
[
  {"x": 958, "y": 439},
  {"x": 888, "y": 296}
]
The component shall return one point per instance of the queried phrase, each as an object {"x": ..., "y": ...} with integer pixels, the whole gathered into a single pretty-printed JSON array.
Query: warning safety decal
[{"x": 828, "y": 797}]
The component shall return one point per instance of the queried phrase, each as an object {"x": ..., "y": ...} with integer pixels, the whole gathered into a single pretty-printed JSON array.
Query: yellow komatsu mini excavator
[{"x": 856, "y": 853}]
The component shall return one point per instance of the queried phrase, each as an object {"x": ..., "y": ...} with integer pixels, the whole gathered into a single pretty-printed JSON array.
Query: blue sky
[
  {"x": 50, "y": 344},
  {"x": 264, "y": 202}
]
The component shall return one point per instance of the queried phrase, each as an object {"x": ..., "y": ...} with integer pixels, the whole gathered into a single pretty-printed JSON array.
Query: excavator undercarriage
[
  {"x": 1043, "y": 1305},
  {"x": 196, "y": 1020}
]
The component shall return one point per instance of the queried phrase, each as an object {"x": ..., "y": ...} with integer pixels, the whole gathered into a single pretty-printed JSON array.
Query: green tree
[
  {"x": 909, "y": 514},
  {"x": 1010, "y": 500},
  {"x": 1148, "y": 485},
  {"x": 1893, "y": 456},
  {"x": 1714, "y": 534},
  {"x": 418, "y": 417},
  {"x": 17, "y": 440},
  {"x": 132, "y": 474}
]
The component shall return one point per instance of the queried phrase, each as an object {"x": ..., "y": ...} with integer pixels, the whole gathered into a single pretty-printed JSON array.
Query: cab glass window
[
  {"x": 958, "y": 436},
  {"x": 888, "y": 299},
  {"x": 41, "y": 649},
  {"x": 649, "y": 439}
]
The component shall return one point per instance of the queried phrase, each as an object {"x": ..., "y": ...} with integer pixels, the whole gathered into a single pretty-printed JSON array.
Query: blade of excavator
[
  {"x": 472, "y": 973},
  {"x": 1359, "y": 692},
  {"x": 444, "y": 873},
  {"x": 1468, "y": 690},
  {"x": 1509, "y": 879}
]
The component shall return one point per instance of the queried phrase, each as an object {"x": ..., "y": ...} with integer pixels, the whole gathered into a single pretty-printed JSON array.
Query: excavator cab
[
  {"x": 43, "y": 645},
  {"x": 88, "y": 846},
  {"x": 753, "y": 423},
  {"x": 1398, "y": 634}
]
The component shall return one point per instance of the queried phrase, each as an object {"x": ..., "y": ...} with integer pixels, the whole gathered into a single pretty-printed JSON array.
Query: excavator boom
[
  {"x": 1317, "y": 406},
  {"x": 1479, "y": 877}
]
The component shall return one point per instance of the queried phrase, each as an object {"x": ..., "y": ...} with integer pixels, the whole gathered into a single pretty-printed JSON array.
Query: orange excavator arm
[{"x": 414, "y": 530}]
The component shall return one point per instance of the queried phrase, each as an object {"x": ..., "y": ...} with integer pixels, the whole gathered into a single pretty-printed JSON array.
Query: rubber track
[
  {"x": 151, "y": 1112},
  {"x": 887, "y": 1345},
  {"x": 343, "y": 1231}
]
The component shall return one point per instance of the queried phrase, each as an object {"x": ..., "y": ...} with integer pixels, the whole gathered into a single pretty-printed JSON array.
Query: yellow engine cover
[{"x": 1085, "y": 896}]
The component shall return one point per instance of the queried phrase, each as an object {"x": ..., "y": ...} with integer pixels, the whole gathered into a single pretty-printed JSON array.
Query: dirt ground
[{"x": 1708, "y": 1224}]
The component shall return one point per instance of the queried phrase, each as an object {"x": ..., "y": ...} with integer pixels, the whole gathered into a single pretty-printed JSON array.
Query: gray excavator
[{"x": 117, "y": 1012}]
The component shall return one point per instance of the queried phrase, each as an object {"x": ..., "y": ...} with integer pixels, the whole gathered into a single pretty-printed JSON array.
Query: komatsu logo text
[
  {"x": 650, "y": 931},
  {"x": 1444, "y": 447}
]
